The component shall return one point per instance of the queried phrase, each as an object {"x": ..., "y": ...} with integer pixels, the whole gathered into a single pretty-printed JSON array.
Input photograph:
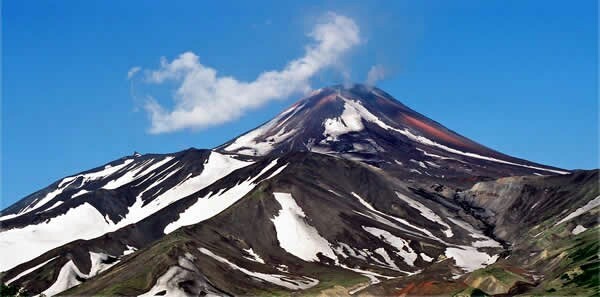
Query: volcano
[{"x": 346, "y": 192}]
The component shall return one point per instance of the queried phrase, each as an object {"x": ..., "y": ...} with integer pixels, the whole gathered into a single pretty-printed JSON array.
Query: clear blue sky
[{"x": 518, "y": 76}]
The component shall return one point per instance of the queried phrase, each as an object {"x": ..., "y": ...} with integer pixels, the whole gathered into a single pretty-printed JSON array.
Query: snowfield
[
  {"x": 295, "y": 235},
  {"x": 349, "y": 121},
  {"x": 24, "y": 244},
  {"x": 469, "y": 258}
]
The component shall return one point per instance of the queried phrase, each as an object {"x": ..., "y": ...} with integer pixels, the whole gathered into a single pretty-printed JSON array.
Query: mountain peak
[
  {"x": 351, "y": 87},
  {"x": 367, "y": 124},
  {"x": 356, "y": 91}
]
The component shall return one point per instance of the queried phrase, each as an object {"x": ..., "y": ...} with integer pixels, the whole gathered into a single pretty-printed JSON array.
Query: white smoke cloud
[
  {"x": 375, "y": 74},
  {"x": 203, "y": 98}
]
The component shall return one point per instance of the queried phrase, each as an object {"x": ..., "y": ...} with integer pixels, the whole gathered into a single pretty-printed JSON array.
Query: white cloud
[
  {"x": 376, "y": 73},
  {"x": 133, "y": 71},
  {"x": 203, "y": 98}
]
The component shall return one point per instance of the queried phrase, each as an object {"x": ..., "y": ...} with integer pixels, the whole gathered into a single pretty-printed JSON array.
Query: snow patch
[
  {"x": 484, "y": 241},
  {"x": 67, "y": 278},
  {"x": 415, "y": 171},
  {"x": 129, "y": 250},
  {"x": 349, "y": 121},
  {"x": 372, "y": 276},
  {"x": 578, "y": 229},
  {"x": 425, "y": 257},
  {"x": 295, "y": 235},
  {"x": 341, "y": 249},
  {"x": 253, "y": 256},
  {"x": 429, "y": 142},
  {"x": 81, "y": 192},
  {"x": 286, "y": 281},
  {"x": 98, "y": 263},
  {"x": 587, "y": 207},
  {"x": 432, "y": 164},
  {"x": 426, "y": 213},
  {"x": 388, "y": 260},
  {"x": 439, "y": 157},
  {"x": 404, "y": 251},
  {"x": 420, "y": 163},
  {"x": 469, "y": 258},
  {"x": 400, "y": 220},
  {"x": 57, "y": 204}
]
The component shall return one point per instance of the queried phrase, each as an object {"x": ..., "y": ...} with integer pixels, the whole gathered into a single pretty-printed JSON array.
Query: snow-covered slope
[
  {"x": 154, "y": 181},
  {"x": 23, "y": 244}
]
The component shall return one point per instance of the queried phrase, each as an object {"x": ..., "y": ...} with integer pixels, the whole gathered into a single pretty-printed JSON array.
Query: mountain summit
[
  {"x": 346, "y": 192},
  {"x": 367, "y": 124}
]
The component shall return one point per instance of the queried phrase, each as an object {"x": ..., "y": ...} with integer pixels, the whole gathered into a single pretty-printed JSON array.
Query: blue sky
[{"x": 517, "y": 76}]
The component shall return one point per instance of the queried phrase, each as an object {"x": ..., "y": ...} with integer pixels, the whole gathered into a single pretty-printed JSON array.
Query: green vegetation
[
  {"x": 576, "y": 271},
  {"x": 471, "y": 292},
  {"x": 499, "y": 273},
  {"x": 495, "y": 279},
  {"x": 330, "y": 278}
]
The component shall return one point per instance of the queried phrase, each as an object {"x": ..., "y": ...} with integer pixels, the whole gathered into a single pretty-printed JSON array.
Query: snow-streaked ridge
[
  {"x": 216, "y": 167},
  {"x": 354, "y": 113},
  {"x": 65, "y": 183},
  {"x": 136, "y": 173},
  {"x": 26, "y": 272},
  {"x": 247, "y": 144},
  {"x": 214, "y": 203}
]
